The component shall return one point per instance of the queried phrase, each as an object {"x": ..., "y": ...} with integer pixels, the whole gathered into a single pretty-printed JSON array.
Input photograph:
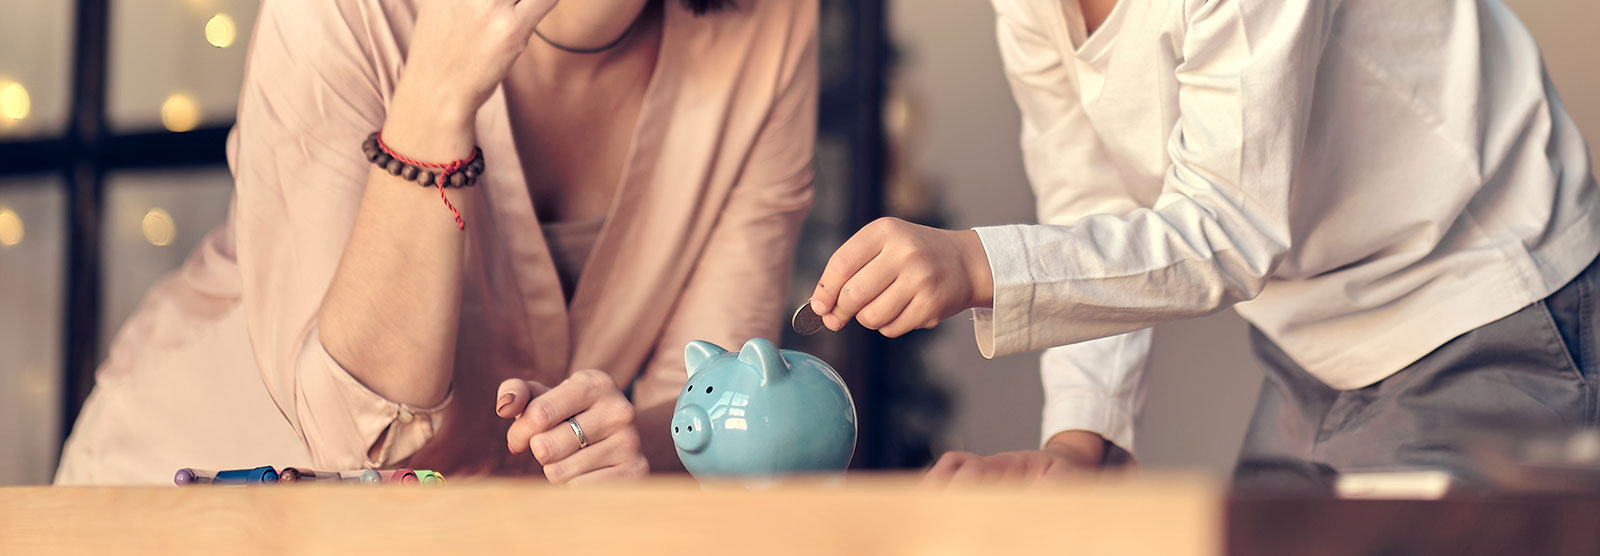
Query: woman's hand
[
  {"x": 592, "y": 399},
  {"x": 461, "y": 50},
  {"x": 894, "y": 277}
]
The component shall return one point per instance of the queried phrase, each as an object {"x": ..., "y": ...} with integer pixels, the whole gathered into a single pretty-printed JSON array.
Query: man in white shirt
[{"x": 1391, "y": 193}]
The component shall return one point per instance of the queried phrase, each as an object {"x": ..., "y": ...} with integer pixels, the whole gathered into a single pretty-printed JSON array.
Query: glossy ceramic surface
[{"x": 762, "y": 412}]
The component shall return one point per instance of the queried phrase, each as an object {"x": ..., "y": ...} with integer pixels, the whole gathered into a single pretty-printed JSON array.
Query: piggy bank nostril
[{"x": 691, "y": 430}]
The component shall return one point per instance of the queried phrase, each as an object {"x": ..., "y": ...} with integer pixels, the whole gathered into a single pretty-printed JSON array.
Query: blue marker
[{"x": 257, "y": 476}]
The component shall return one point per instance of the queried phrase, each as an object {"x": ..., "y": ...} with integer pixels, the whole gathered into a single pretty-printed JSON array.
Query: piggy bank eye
[
  {"x": 708, "y": 389},
  {"x": 691, "y": 387}
]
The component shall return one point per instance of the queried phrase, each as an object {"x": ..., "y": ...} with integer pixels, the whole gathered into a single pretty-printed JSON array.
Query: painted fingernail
[{"x": 505, "y": 400}]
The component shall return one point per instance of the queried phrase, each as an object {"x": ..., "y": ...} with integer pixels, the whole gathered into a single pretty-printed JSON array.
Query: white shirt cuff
[
  {"x": 1100, "y": 415},
  {"x": 1006, "y": 328}
]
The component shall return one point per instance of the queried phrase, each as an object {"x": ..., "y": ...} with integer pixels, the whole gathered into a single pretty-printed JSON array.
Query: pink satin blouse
[{"x": 222, "y": 366}]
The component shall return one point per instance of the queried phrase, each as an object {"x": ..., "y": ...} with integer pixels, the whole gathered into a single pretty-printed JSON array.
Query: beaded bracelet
[{"x": 460, "y": 173}]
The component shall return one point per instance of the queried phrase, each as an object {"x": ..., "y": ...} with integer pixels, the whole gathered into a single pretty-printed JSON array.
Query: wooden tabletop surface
[{"x": 866, "y": 514}]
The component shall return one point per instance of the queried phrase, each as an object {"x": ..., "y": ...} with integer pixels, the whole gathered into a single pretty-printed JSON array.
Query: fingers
[
  {"x": 971, "y": 473},
  {"x": 850, "y": 258},
  {"x": 531, "y": 12},
  {"x": 637, "y": 468},
  {"x": 946, "y": 467},
  {"x": 574, "y": 395},
  {"x": 961, "y": 468},
  {"x": 514, "y": 394},
  {"x": 863, "y": 289},
  {"x": 918, "y": 313},
  {"x": 621, "y": 449},
  {"x": 605, "y": 419}
]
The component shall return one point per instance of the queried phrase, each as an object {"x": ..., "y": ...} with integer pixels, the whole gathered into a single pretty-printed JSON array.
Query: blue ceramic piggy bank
[{"x": 761, "y": 412}]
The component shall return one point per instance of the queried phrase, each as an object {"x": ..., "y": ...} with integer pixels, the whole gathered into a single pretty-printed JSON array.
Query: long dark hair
[{"x": 702, "y": 7}]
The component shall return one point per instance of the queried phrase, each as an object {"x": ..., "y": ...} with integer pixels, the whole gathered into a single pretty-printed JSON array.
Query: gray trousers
[{"x": 1532, "y": 370}]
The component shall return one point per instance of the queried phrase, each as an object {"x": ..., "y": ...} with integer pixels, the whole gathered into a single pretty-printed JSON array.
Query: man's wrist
[
  {"x": 1082, "y": 448},
  {"x": 976, "y": 260}
]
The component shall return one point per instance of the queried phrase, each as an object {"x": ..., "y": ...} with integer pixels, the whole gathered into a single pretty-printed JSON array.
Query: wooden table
[{"x": 867, "y": 514}]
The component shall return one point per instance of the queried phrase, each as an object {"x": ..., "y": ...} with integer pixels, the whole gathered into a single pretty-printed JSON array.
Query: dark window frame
[{"x": 81, "y": 156}]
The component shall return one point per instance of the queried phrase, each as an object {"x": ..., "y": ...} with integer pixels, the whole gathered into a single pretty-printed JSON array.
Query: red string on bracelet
[{"x": 444, "y": 172}]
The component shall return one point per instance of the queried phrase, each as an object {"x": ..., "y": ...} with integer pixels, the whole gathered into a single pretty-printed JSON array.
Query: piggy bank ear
[
  {"x": 697, "y": 353},
  {"x": 761, "y": 354}
]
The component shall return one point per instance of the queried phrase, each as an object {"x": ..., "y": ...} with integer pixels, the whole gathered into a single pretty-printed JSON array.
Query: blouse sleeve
[
  {"x": 739, "y": 288},
  {"x": 312, "y": 92}
]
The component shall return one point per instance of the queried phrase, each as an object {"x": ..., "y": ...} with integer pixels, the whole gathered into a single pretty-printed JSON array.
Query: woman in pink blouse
[{"x": 647, "y": 166}]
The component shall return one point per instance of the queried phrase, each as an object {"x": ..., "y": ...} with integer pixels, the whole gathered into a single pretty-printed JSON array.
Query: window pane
[
  {"x": 176, "y": 64},
  {"x": 152, "y": 221},
  {"x": 35, "y": 64},
  {"x": 32, "y": 262}
]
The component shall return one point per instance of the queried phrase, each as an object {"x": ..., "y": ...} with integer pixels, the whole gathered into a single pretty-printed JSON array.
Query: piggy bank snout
[{"x": 691, "y": 428}]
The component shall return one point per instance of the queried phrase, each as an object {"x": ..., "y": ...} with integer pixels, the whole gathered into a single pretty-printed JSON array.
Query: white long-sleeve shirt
[{"x": 1363, "y": 179}]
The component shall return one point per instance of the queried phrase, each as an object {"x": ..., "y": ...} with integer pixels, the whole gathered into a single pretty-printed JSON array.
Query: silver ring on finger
[{"x": 583, "y": 441}]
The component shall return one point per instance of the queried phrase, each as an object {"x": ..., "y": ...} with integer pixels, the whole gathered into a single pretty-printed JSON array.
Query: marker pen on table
[
  {"x": 430, "y": 477},
  {"x": 403, "y": 476},
  {"x": 188, "y": 476},
  {"x": 256, "y": 476},
  {"x": 298, "y": 475},
  {"x": 364, "y": 476}
]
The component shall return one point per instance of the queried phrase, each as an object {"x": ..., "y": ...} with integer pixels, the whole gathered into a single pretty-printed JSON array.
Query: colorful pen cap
[
  {"x": 256, "y": 476},
  {"x": 430, "y": 477},
  {"x": 364, "y": 476},
  {"x": 401, "y": 476},
  {"x": 189, "y": 476}
]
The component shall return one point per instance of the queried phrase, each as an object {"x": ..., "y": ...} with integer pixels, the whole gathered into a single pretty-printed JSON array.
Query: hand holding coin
[{"x": 805, "y": 321}]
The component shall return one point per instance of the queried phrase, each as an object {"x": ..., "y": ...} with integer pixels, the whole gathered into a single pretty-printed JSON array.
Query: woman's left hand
[{"x": 606, "y": 418}]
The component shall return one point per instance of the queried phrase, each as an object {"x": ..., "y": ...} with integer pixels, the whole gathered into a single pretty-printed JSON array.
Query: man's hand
[
  {"x": 894, "y": 277},
  {"x": 1069, "y": 453}
]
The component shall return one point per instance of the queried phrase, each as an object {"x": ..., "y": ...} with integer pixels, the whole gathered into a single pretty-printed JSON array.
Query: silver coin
[{"x": 805, "y": 321}]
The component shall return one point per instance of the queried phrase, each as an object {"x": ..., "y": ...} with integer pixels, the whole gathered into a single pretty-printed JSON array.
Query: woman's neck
[
  {"x": 634, "y": 55},
  {"x": 591, "y": 24}
]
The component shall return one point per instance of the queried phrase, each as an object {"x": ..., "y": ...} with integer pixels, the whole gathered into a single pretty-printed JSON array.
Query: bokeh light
[
  {"x": 10, "y": 227},
  {"x": 14, "y": 104},
  {"x": 158, "y": 227},
  {"x": 180, "y": 112},
  {"x": 220, "y": 31}
]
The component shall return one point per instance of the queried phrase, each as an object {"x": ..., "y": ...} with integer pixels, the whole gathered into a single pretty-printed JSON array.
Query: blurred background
[{"x": 112, "y": 120}]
